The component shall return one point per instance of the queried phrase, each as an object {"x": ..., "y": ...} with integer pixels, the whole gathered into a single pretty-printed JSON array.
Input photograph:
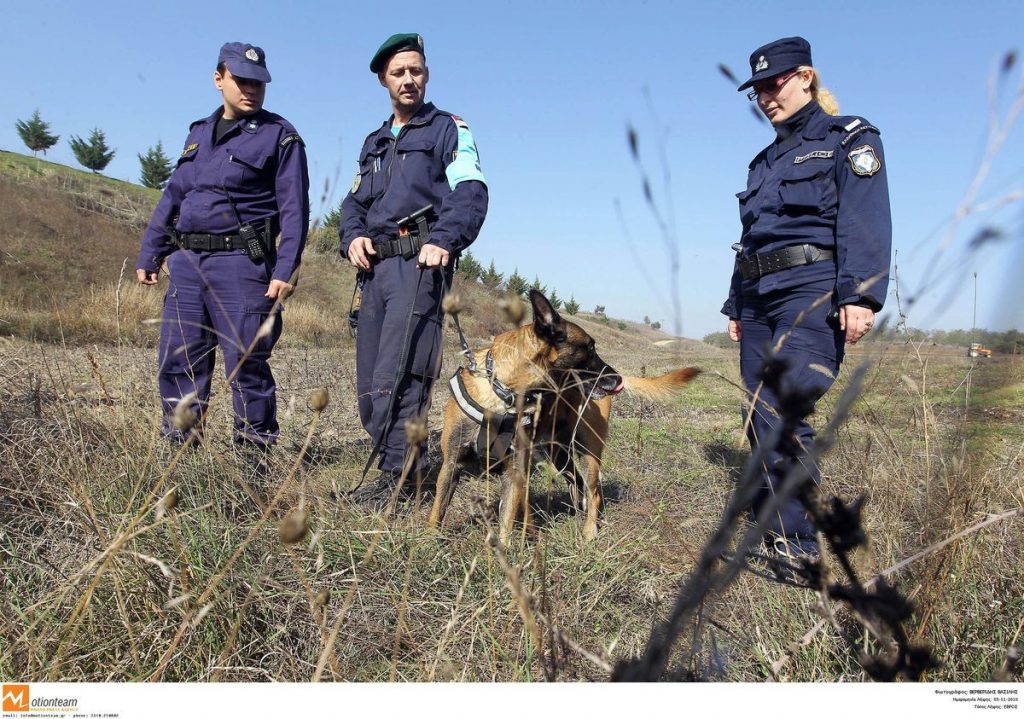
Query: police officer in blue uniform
[
  {"x": 420, "y": 156},
  {"x": 816, "y": 222},
  {"x": 240, "y": 181}
]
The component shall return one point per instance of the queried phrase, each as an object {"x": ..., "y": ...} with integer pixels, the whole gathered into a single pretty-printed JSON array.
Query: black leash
[{"x": 399, "y": 376}]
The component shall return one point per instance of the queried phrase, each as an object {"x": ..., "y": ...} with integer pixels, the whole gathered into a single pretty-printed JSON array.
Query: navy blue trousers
[
  {"x": 391, "y": 288},
  {"x": 813, "y": 352},
  {"x": 217, "y": 298}
]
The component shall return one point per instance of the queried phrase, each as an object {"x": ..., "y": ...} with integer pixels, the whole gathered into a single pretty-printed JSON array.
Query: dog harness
[{"x": 497, "y": 430}]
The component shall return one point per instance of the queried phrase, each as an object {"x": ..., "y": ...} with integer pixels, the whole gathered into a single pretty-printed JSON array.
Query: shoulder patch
[
  {"x": 864, "y": 161},
  {"x": 852, "y": 125},
  {"x": 858, "y": 130},
  {"x": 190, "y": 149},
  {"x": 289, "y": 139}
]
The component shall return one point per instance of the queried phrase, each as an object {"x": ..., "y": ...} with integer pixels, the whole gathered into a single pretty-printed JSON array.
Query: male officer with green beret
[{"x": 420, "y": 156}]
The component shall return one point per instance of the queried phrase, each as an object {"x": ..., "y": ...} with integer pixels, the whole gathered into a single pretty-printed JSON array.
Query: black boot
[{"x": 376, "y": 492}]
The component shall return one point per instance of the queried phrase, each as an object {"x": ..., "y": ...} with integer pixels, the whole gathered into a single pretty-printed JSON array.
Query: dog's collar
[{"x": 505, "y": 394}]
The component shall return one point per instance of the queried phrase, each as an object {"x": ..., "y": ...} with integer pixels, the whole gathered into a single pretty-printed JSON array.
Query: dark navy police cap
[
  {"x": 776, "y": 58},
  {"x": 393, "y": 45},
  {"x": 245, "y": 61}
]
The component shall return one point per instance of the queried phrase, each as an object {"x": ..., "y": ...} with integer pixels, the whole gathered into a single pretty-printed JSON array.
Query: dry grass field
[{"x": 121, "y": 560}]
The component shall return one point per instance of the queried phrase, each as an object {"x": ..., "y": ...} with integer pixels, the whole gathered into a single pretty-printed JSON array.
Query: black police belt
[
  {"x": 766, "y": 263},
  {"x": 404, "y": 246},
  {"x": 211, "y": 243}
]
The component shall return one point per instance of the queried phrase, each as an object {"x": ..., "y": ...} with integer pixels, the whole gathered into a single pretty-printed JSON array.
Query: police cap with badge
[
  {"x": 776, "y": 58},
  {"x": 394, "y": 45},
  {"x": 245, "y": 61}
]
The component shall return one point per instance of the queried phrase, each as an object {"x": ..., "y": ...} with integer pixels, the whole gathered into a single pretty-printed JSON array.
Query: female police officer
[
  {"x": 816, "y": 225},
  {"x": 241, "y": 180}
]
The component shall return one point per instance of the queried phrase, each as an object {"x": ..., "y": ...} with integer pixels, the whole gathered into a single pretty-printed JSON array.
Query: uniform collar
[
  {"x": 809, "y": 123},
  {"x": 422, "y": 117},
  {"x": 250, "y": 123}
]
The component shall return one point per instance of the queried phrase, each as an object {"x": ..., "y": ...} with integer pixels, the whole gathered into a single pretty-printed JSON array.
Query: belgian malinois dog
[{"x": 550, "y": 372}]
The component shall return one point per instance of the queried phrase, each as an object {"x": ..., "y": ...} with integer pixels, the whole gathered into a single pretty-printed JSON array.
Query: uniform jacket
[
  {"x": 825, "y": 185},
  {"x": 261, "y": 162},
  {"x": 432, "y": 161}
]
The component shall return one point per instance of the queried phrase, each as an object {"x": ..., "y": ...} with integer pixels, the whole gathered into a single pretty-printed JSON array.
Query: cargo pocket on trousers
[
  {"x": 425, "y": 349},
  {"x": 261, "y": 327}
]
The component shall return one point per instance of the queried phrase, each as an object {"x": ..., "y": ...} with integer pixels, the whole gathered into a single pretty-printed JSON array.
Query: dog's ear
[{"x": 547, "y": 323}]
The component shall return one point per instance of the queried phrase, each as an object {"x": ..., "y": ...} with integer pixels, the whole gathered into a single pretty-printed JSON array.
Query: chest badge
[
  {"x": 864, "y": 161},
  {"x": 815, "y": 155}
]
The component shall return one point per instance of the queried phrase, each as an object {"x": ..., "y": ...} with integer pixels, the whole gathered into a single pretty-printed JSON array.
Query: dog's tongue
[{"x": 619, "y": 387}]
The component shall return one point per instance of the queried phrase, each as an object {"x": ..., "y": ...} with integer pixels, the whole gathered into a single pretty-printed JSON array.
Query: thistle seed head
[
  {"x": 452, "y": 303},
  {"x": 319, "y": 399},
  {"x": 184, "y": 416},
  {"x": 416, "y": 431},
  {"x": 513, "y": 307},
  {"x": 167, "y": 504},
  {"x": 294, "y": 527}
]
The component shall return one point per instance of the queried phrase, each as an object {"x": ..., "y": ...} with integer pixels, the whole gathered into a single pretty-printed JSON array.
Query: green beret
[{"x": 393, "y": 45}]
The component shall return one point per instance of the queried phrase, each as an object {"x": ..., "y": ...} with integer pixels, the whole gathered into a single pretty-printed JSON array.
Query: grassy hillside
[
  {"x": 103, "y": 577},
  {"x": 68, "y": 243}
]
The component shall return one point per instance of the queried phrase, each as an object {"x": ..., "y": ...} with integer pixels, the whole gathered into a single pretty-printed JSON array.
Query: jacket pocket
[
  {"x": 749, "y": 209},
  {"x": 372, "y": 173},
  {"x": 806, "y": 187},
  {"x": 249, "y": 165}
]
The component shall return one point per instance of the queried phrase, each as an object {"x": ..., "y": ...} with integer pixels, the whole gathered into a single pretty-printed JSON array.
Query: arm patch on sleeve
[
  {"x": 289, "y": 139},
  {"x": 859, "y": 129},
  {"x": 465, "y": 161}
]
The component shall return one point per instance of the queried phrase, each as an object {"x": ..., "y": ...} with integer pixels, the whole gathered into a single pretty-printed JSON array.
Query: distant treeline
[{"x": 1008, "y": 342}]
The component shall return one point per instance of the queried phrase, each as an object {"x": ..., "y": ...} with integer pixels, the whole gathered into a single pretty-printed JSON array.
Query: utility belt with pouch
[
  {"x": 255, "y": 242},
  {"x": 413, "y": 233}
]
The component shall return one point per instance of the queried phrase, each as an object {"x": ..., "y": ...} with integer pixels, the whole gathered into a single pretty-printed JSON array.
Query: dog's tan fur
[{"x": 570, "y": 422}]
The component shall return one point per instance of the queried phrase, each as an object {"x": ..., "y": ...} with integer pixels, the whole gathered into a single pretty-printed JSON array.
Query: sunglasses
[{"x": 771, "y": 85}]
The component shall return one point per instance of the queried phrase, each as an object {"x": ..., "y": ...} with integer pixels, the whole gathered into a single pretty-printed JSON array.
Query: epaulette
[
  {"x": 289, "y": 139},
  {"x": 855, "y": 127}
]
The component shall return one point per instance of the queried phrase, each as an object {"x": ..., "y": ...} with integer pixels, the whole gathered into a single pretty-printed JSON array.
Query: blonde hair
[{"x": 823, "y": 96}]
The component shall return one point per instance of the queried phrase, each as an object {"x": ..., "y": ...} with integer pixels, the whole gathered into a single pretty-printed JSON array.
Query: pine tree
[
  {"x": 156, "y": 167},
  {"x": 36, "y": 134},
  {"x": 517, "y": 284},
  {"x": 555, "y": 300},
  {"x": 334, "y": 217},
  {"x": 469, "y": 267},
  {"x": 538, "y": 286},
  {"x": 491, "y": 277},
  {"x": 94, "y": 154},
  {"x": 572, "y": 306}
]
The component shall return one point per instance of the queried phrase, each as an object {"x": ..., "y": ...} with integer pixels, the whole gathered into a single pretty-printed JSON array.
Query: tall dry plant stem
[{"x": 239, "y": 551}]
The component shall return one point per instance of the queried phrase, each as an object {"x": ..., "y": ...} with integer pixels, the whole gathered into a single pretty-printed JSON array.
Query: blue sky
[{"x": 549, "y": 89}]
